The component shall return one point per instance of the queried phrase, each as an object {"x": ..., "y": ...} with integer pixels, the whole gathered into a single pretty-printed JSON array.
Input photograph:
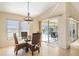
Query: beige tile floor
[{"x": 45, "y": 50}]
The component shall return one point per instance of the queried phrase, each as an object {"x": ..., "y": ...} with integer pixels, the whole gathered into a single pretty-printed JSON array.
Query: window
[
  {"x": 14, "y": 26},
  {"x": 73, "y": 28},
  {"x": 24, "y": 26}
]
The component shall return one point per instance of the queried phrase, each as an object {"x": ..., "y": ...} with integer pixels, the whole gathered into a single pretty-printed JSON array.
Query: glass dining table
[
  {"x": 25, "y": 40},
  {"x": 28, "y": 39}
]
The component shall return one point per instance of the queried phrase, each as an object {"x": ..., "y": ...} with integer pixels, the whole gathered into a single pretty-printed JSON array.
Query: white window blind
[{"x": 17, "y": 27}]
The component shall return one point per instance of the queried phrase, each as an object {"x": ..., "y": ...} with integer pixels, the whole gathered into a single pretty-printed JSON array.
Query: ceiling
[
  {"x": 20, "y": 8},
  {"x": 35, "y": 8},
  {"x": 76, "y": 5}
]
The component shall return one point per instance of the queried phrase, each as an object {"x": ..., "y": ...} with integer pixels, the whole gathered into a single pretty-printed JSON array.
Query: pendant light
[{"x": 28, "y": 18}]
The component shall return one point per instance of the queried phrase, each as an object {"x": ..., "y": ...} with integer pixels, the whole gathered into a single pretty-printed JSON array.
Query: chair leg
[
  {"x": 32, "y": 53},
  {"x": 16, "y": 52},
  {"x": 38, "y": 50}
]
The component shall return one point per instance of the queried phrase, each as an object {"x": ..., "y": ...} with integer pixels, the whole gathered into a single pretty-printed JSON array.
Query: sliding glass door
[
  {"x": 44, "y": 29},
  {"x": 52, "y": 31},
  {"x": 49, "y": 30}
]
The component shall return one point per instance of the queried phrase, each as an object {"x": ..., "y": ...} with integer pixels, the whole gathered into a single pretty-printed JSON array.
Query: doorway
[{"x": 49, "y": 29}]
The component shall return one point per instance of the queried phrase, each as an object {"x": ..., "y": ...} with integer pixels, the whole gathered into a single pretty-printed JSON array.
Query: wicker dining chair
[{"x": 18, "y": 46}]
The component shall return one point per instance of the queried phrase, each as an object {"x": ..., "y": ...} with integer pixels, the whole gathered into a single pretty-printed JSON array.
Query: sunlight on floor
[{"x": 45, "y": 50}]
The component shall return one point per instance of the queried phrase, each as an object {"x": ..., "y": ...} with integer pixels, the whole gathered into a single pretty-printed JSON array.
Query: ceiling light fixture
[{"x": 28, "y": 18}]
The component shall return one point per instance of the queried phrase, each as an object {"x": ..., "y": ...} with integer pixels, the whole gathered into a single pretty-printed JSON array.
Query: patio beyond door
[{"x": 49, "y": 30}]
